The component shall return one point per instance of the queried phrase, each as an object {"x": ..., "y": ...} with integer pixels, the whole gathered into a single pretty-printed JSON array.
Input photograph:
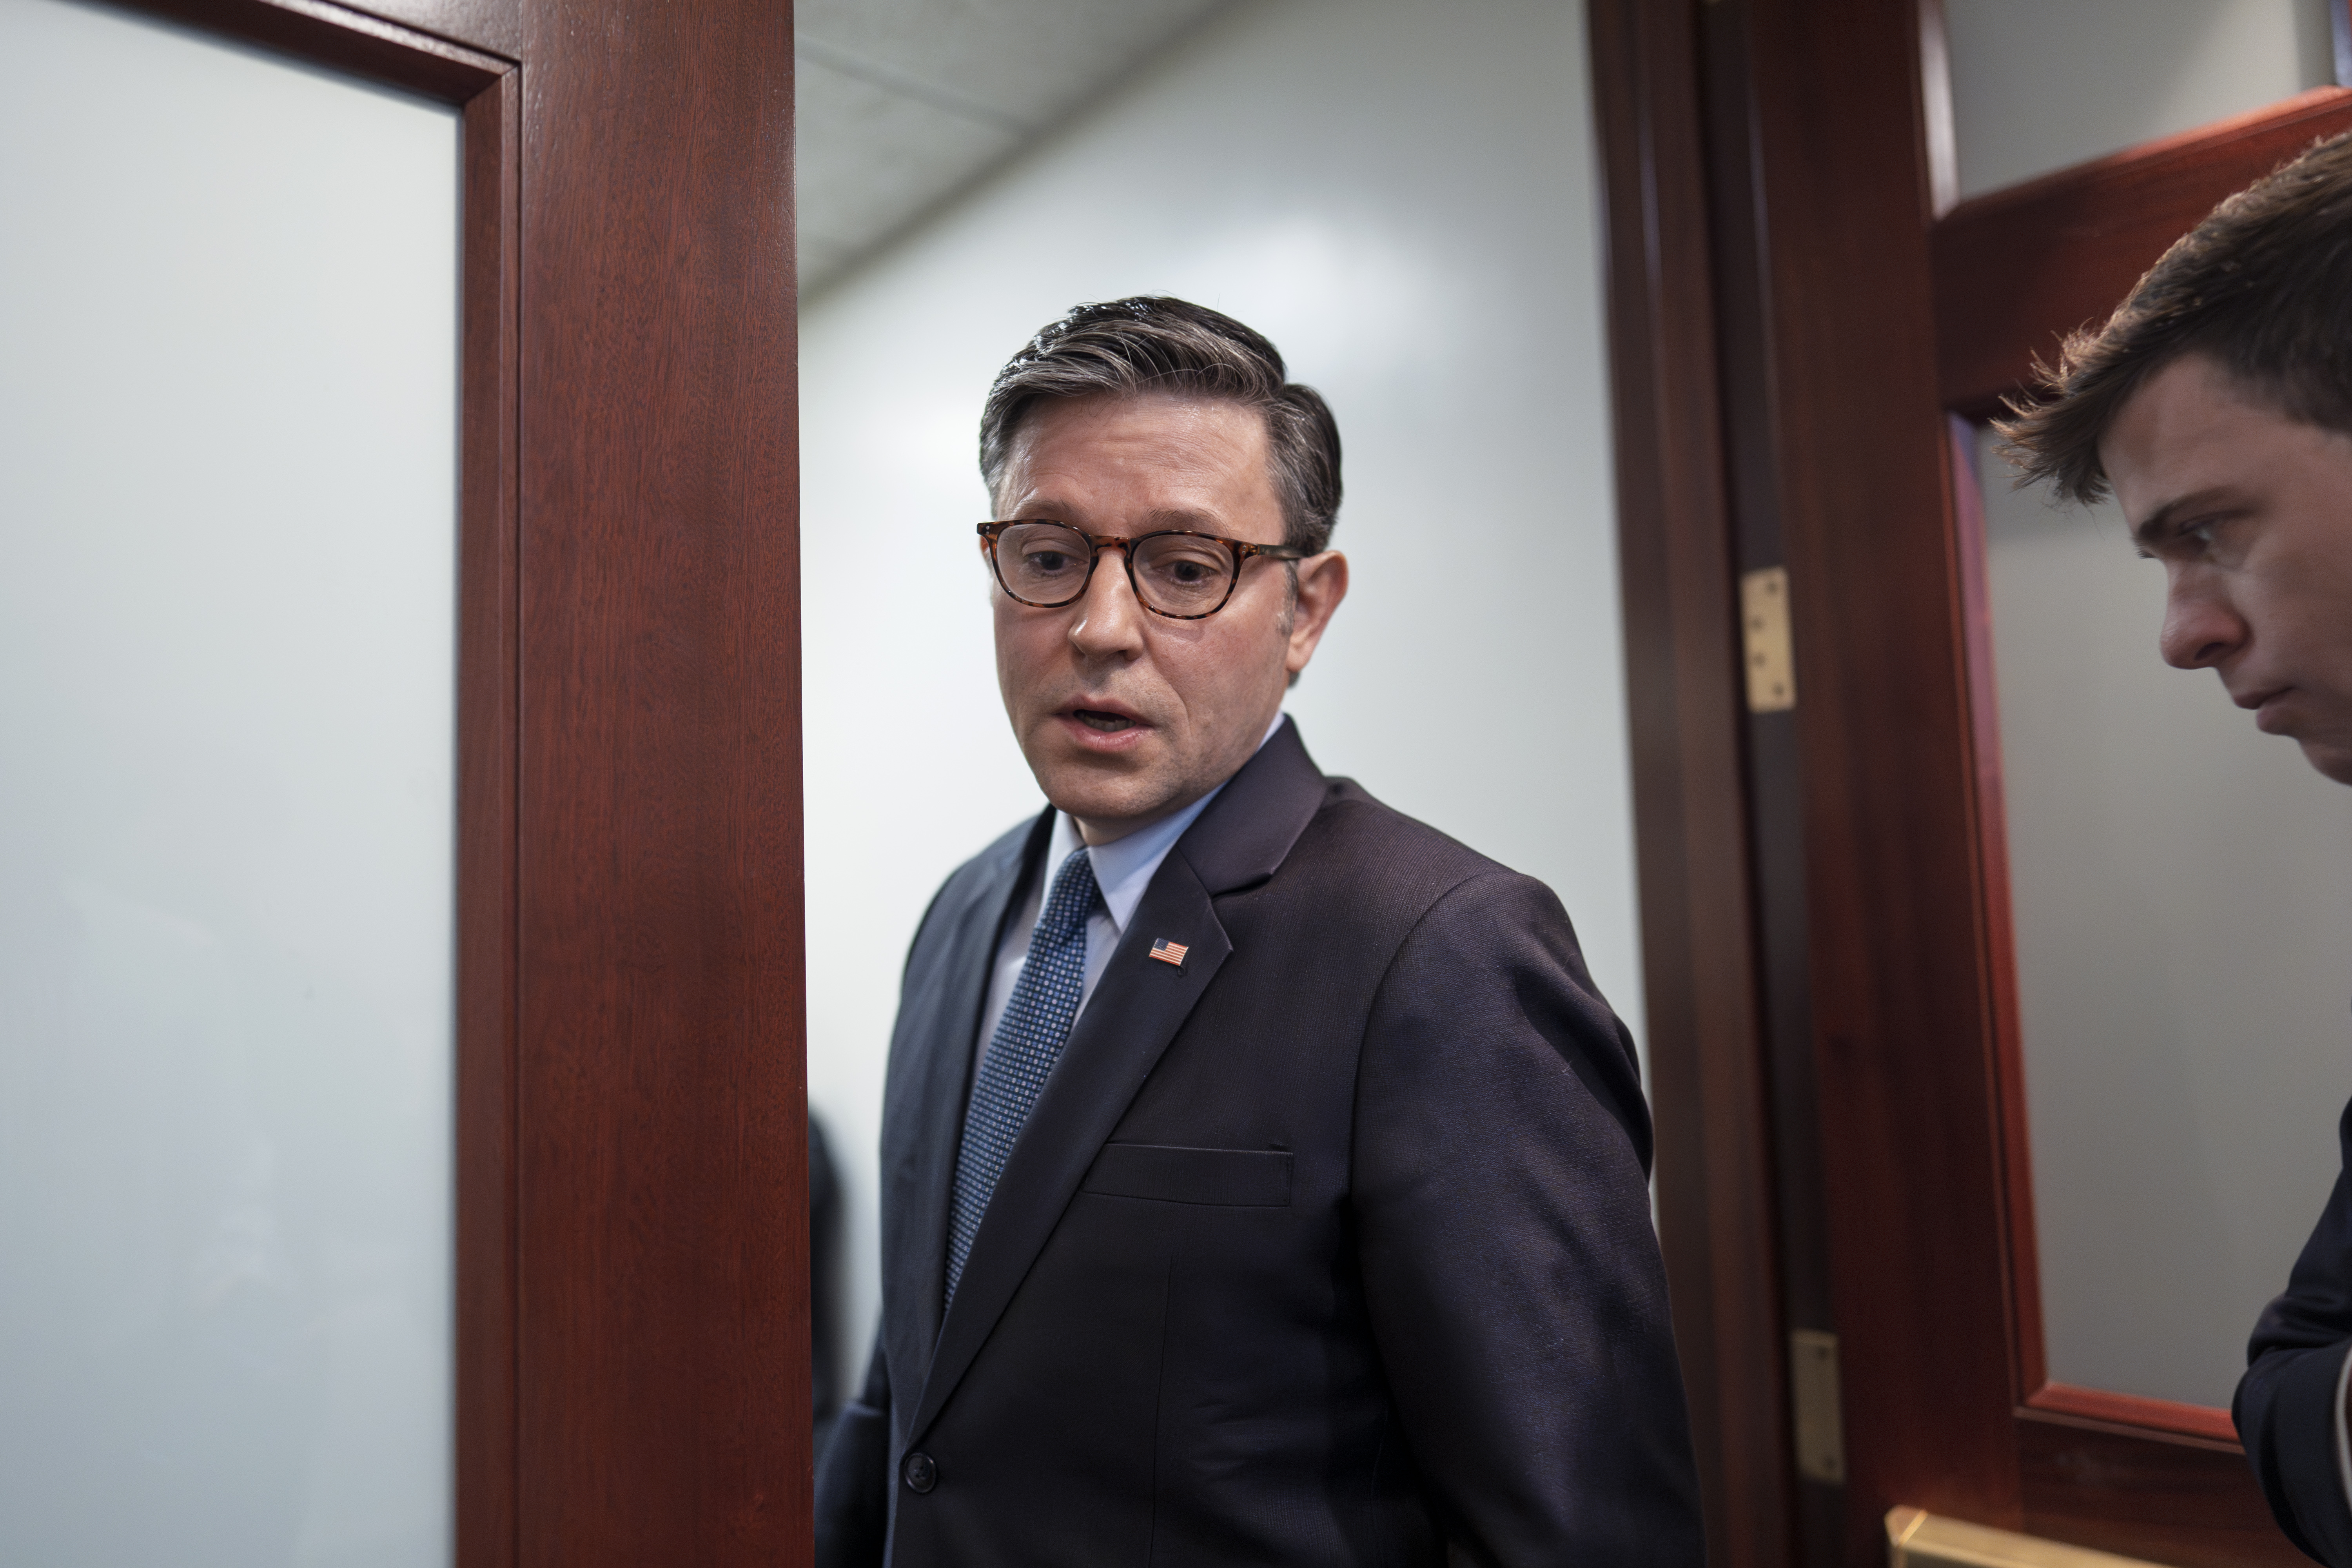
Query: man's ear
[{"x": 1322, "y": 583}]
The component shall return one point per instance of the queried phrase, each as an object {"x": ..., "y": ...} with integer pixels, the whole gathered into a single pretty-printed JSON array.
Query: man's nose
[
  {"x": 2200, "y": 628},
  {"x": 1109, "y": 621}
]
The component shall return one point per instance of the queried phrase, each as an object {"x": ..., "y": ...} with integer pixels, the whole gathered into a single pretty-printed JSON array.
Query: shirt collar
[{"x": 1124, "y": 868}]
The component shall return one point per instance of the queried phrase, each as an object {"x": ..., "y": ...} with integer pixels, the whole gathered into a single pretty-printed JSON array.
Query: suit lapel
[
  {"x": 1136, "y": 1010},
  {"x": 941, "y": 1049}
]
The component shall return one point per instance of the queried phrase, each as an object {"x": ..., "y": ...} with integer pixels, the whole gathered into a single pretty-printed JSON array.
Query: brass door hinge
[
  {"x": 1814, "y": 1406},
  {"x": 1764, "y": 640}
]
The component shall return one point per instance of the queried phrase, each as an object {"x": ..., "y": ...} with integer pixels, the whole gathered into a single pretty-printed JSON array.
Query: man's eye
[
  {"x": 2200, "y": 537},
  {"x": 1184, "y": 564},
  {"x": 1047, "y": 561}
]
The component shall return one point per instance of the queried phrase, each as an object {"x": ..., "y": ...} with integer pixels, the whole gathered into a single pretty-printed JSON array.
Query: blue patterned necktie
[{"x": 1027, "y": 1043}]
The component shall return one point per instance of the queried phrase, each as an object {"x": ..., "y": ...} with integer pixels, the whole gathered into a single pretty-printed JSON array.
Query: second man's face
[
  {"x": 2251, "y": 513},
  {"x": 1126, "y": 716}
]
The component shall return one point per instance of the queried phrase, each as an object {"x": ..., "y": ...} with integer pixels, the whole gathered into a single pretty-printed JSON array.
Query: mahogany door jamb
[
  {"x": 1685, "y": 688},
  {"x": 664, "y": 1411}
]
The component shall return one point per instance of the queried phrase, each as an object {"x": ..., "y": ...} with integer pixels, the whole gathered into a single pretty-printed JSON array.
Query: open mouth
[{"x": 1106, "y": 723}]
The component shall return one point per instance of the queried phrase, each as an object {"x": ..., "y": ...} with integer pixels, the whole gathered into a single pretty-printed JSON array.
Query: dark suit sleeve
[
  {"x": 853, "y": 1478},
  {"x": 1509, "y": 1265},
  {"x": 2286, "y": 1407}
]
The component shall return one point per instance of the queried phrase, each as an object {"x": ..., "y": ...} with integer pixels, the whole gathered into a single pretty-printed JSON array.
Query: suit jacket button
[{"x": 920, "y": 1473}]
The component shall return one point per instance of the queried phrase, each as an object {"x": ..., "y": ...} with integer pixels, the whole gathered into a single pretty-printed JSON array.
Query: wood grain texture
[
  {"x": 2182, "y": 1500},
  {"x": 2018, "y": 270},
  {"x": 1777, "y": 788},
  {"x": 489, "y": 690},
  {"x": 1916, "y": 1224},
  {"x": 1684, "y": 689},
  {"x": 664, "y": 1393},
  {"x": 1776, "y": 772}
]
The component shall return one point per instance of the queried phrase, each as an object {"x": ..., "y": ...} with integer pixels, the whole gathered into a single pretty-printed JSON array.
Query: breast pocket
[{"x": 1233, "y": 1178}]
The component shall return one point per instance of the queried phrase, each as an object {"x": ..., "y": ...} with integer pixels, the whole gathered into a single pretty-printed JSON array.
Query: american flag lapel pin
[{"x": 1168, "y": 951}]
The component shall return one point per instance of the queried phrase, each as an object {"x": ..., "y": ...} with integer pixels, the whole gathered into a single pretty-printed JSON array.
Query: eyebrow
[
  {"x": 1166, "y": 517},
  {"x": 2144, "y": 532},
  {"x": 1179, "y": 517},
  {"x": 2148, "y": 530}
]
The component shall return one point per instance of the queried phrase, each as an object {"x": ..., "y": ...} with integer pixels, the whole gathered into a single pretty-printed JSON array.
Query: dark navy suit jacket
[
  {"x": 1331, "y": 1246},
  {"x": 2286, "y": 1407}
]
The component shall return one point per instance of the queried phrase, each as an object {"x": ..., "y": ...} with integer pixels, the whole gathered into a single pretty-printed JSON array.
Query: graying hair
[{"x": 1154, "y": 344}]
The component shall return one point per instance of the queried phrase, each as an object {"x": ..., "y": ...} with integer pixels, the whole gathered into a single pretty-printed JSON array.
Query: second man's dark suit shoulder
[{"x": 2286, "y": 1407}]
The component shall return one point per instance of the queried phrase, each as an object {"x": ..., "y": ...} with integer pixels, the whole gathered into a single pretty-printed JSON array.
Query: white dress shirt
[{"x": 1123, "y": 869}]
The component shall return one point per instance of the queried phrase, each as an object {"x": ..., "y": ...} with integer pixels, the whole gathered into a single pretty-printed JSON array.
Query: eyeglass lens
[{"x": 1174, "y": 574}]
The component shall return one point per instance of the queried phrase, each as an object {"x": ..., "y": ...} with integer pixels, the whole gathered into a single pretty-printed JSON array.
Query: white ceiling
[{"x": 902, "y": 103}]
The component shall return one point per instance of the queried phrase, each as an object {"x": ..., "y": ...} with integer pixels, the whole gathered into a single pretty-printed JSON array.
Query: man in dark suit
[
  {"x": 1262, "y": 1178},
  {"x": 2217, "y": 404}
]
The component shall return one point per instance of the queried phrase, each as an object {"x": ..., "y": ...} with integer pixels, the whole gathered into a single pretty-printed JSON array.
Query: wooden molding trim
[
  {"x": 493, "y": 26},
  {"x": 2165, "y": 1496},
  {"x": 342, "y": 39},
  {"x": 2017, "y": 269},
  {"x": 2131, "y": 1410},
  {"x": 490, "y": 699}
]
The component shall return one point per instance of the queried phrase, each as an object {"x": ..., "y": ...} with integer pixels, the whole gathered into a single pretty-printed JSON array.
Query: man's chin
[
  {"x": 1096, "y": 786},
  {"x": 1108, "y": 803},
  {"x": 2331, "y": 757}
]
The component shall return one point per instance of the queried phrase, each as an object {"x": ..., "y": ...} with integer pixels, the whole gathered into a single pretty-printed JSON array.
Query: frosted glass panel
[
  {"x": 2183, "y": 890},
  {"x": 2039, "y": 84},
  {"x": 227, "y": 477}
]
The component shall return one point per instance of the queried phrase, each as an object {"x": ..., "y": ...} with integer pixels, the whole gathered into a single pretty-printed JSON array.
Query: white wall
[
  {"x": 1404, "y": 197},
  {"x": 229, "y": 380},
  {"x": 2039, "y": 84}
]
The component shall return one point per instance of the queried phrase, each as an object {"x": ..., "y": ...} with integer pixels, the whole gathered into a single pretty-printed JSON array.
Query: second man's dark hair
[
  {"x": 1156, "y": 344},
  {"x": 2263, "y": 285}
]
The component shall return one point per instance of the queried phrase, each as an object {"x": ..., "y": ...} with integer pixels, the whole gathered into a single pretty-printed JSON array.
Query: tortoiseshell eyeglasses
[{"x": 1175, "y": 573}]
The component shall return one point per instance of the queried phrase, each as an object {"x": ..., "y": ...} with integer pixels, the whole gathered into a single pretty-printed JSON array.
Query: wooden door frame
[
  {"x": 1704, "y": 999},
  {"x": 631, "y": 1165},
  {"x": 1796, "y": 319}
]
